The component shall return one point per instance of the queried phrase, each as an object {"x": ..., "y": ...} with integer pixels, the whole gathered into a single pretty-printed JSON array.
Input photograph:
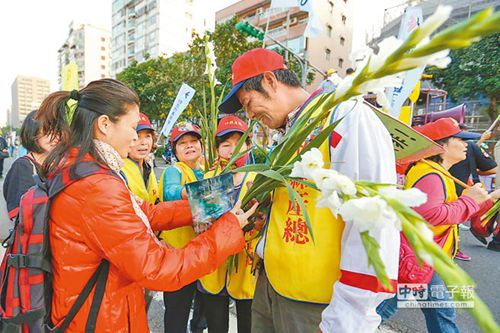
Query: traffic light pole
[
  {"x": 303, "y": 61},
  {"x": 253, "y": 31}
]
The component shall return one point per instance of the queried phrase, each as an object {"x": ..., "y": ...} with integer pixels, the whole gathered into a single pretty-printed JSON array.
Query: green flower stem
[{"x": 451, "y": 274}]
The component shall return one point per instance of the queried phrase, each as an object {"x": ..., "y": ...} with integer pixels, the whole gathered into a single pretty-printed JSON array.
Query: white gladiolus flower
[
  {"x": 329, "y": 180},
  {"x": 386, "y": 48},
  {"x": 425, "y": 231},
  {"x": 412, "y": 197},
  {"x": 311, "y": 162},
  {"x": 434, "y": 21},
  {"x": 211, "y": 62},
  {"x": 298, "y": 170},
  {"x": 325, "y": 179},
  {"x": 344, "y": 86},
  {"x": 331, "y": 201},
  {"x": 313, "y": 159},
  {"x": 439, "y": 59},
  {"x": 426, "y": 257},
  {"x": 346, "y": 185},
  {"x": 378, "y": 87},
  {"x": 367, "y": 213}
]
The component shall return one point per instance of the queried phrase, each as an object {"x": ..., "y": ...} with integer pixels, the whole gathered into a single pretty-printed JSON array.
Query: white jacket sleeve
[{"x": 363, "y": 151}]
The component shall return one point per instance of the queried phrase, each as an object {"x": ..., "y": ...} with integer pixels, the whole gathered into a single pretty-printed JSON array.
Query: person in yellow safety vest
[
  {"x": 185, "y": 140},
  {"x": 138, "y": 173},
  {"x": 236, "y": 282},
  {"x": 327, "y": 283},
  {"x": 444, "y": 210}
]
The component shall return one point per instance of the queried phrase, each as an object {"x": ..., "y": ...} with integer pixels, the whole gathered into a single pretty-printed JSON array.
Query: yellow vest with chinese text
[
  {"x": 136, "y": 184},
  {"x": 297, "y": 267},
  {"x": 450, "y": 231},
  {"x": 239, "y": 280},
  {"x": 179, "y": 236}
]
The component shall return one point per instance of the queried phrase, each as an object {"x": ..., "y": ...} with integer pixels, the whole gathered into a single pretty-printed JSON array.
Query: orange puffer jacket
[{"x": 93, "y": 219}]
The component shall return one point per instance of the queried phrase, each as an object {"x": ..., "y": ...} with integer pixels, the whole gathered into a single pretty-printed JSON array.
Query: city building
[
  {"x": 330, "y": 49},
  {"x": 89, "y": 47},
  {"x": 461, "y": 11},
  {"x": 149, "y": 28},
  {"x": 27, "y": 94}
]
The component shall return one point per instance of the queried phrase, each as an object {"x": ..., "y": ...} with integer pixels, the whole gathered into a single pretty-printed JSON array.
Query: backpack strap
[
  {"x": 98, "y": 279},
  {"x": 28, "y": 261},
  {"x": 14, "y": 325},
  {"x": 54, "y": 186},
  {"x": 69, "y": 175}
]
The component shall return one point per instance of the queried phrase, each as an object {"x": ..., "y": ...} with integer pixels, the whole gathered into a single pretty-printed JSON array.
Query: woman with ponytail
[{"x": 98, "y": 219}]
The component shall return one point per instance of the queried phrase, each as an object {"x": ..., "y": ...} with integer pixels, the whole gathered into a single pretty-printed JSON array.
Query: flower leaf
[{"x": 372, "y": 250}]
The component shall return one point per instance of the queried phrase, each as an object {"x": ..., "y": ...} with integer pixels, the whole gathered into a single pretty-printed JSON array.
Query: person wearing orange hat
[
  {"x": 185, "y": 140},
  {"x": 238, "y": 282},
  {"x": 326, "y": 283},
  {"x": 444, "y": 209}
]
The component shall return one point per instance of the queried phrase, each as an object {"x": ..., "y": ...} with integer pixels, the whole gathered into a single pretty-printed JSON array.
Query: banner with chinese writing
[
  {"x": 182, "y": 100},
  {"x": 411, "y": 19},
  {"x": 409, "y": 145}
]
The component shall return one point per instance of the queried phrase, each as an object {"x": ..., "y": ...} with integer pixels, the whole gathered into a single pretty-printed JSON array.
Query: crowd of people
[{"x": 142, "y": 228}]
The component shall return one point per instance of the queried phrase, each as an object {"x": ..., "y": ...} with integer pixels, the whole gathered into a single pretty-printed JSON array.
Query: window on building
[
  {"x": 330, "y": 6},
  {"x": 342, "y": 40},
  {"x": 328, "y": 52},
  {"x": 103, "y": 76},
  {"x": 329, "y": 30},
  {"x": 103, "y": 48},
  {"x": 152, "y": 20},
  {"x": 103, "y": 39},
  {"x": 103, "y": 67},
  {"x": 341, "y": 62},
  {"x": 151, "y": 5},
  {"x": 103, "y": 58},
  {"x": 344, "y": 19},
  {"x": 152, "y": 37}
]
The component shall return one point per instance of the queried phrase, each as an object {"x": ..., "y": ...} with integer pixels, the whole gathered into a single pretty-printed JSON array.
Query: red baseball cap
[
  {"x": 144, "y": 123},
  {"x": 445, "y": 128},
  {"x": 183, "y": 129},
  {"x": 246, "y": 66},
  {"x": 230, "y": 124}
]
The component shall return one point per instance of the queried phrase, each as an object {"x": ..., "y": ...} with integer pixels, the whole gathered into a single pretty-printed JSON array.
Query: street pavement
[{"x": 484, "y": 268}]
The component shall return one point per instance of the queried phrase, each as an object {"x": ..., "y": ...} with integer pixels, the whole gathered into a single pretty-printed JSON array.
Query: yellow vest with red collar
[
  {"x": 297, "y": 267},
  {"x": 136, "y": 184},
  {"x": 239, "y": 281},
  {"x": 179, "y": 237},
  {"x": 450, "y": 231}
]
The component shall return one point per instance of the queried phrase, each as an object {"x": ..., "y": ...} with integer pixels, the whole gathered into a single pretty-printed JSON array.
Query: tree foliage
[
  {"x": 158, "y": 80},
  {"x": 473, "y": 72}
]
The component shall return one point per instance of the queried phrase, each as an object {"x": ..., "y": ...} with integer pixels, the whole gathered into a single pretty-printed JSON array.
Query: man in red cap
[{"x": 294, "y": 290}]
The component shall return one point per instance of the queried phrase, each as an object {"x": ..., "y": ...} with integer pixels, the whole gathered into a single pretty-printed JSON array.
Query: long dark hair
[
  {"x": 103, "y": 97},
  {"x": 30, "y": 131}
]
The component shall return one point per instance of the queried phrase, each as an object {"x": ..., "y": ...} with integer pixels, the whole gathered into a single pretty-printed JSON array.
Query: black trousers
[
  {"x": 217, "y": 313},
  {"x": 177, "y": 308},
  {"x": 1, "y": 166}
]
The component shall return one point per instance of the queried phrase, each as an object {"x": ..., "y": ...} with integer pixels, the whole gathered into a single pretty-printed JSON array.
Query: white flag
[
  {"x": 411, "y": 19},
  {"x": 314, "y": 25},
  {"x": 184, "y": 95}
]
